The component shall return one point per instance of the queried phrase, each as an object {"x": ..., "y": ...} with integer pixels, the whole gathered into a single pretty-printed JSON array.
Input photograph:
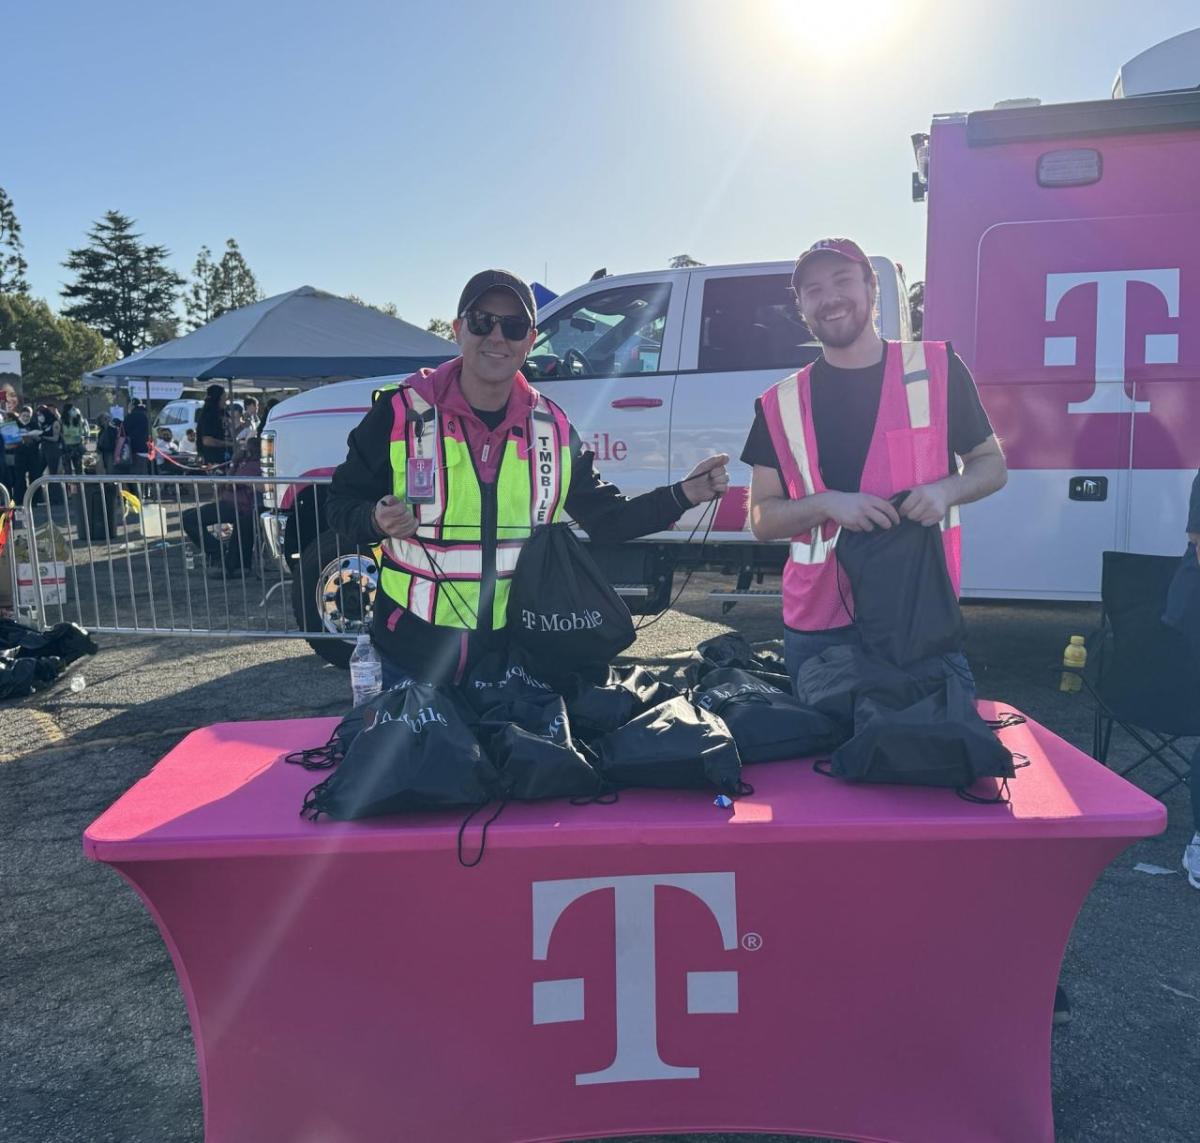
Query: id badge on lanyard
[{"x": 419, "y": 475}]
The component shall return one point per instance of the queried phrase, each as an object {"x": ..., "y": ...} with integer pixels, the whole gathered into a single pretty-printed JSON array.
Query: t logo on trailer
[{"x": 1111, "y": 291}]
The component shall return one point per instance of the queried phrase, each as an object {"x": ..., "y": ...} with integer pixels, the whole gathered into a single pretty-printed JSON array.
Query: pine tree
[
  {"x": 13, "y": 266},
  {"x": 236, "y": 284},
  {"x": 200, "y": 300},
  {"x": 218, "y": 287},
  {"x": 123, "y": 288}
]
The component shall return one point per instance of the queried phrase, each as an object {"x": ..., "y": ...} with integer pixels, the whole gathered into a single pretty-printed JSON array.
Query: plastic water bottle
[
  {"x": 189, "y": 555},
  {"x": 366, "y": 671},
  {"x": 1075, "y": 657},
  {"x": 78, "y": 682}
]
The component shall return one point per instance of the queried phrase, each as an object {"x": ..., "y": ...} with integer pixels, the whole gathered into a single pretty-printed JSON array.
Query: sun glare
[{"x": 833, "y": 30}]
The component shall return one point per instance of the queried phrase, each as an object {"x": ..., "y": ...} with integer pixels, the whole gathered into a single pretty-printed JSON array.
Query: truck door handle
[{"x": 637, "y": 403}]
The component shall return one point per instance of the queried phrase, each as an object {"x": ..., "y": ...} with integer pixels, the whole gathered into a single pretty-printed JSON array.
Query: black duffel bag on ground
[
  {"x": 766, "y": 723},
  {"x": 561, "y": 610},
  {"x": 419, "y": 754},
  {"x": 674, "y": 745},
  {"x": 940, "y": 740}
]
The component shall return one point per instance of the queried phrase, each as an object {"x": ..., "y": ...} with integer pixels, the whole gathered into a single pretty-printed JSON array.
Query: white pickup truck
[{"x": 655, "y": 370}]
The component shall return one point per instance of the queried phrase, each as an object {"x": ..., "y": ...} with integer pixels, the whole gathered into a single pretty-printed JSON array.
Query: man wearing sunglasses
[{"x": 451, "y": 470}]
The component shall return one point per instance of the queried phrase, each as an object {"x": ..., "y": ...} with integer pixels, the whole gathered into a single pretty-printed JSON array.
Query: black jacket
[{"x": 435, "y": 653}]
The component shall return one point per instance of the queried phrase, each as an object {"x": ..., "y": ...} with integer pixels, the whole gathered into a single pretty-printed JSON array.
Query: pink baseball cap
[{"x": 845, "y": 247}]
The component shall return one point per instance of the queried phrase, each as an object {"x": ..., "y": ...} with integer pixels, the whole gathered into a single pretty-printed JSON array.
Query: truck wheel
[{"x": 334, "y": 590}]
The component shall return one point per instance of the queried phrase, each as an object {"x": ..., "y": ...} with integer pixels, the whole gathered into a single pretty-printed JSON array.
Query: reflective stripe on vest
[{"x": 437, "y": 574}]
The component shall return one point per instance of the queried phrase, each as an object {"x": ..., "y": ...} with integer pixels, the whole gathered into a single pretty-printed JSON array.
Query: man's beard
[{"x": 843, "y": 332}]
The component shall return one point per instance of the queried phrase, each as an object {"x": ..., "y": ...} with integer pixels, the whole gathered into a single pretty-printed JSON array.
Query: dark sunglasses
[{"x": 514, "y": 328}]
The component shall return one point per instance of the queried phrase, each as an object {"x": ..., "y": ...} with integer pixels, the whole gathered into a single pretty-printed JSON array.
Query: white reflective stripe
[
  {"x": 506, "y": 559},
  {"x": 817, "y": 550},
  {"x": 418, "y": 403},
  {"x": 950, "y": 520},
  {"x": 464, "y": 561},
  {"x": 916, "y": 383},
  {"x": 545, "y": 471},
  {"x": 793, "y": 427},
  {"x": 421, "y": 599}
]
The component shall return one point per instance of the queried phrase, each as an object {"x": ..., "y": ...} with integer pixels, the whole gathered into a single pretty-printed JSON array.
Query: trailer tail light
[
  {"x": 1076, "y": 167},
  {"x": 266, "y": 462}
]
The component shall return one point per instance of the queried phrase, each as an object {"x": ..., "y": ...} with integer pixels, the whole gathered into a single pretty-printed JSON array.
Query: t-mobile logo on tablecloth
[
  {"x": 1111, "y": 291},
  {"x": 557, "y": 1001}
]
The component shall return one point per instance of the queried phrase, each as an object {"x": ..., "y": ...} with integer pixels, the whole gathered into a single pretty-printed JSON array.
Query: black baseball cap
[{"x": 487, "y": 280}]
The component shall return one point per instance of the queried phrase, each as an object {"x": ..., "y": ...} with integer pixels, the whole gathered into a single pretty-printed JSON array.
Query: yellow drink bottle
[{"x": 1074, "y": 656}]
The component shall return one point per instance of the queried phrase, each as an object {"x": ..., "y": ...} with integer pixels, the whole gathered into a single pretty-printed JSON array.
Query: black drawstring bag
[
  {"x": 904, "y": 604},
  {"x": 502, "y": 677},
  {"x": 939, "y": 740},
  {"x": 674, "y": 745},
  {"x": 835, "y": 681},
  {"x": 766, "y": 723},
  {"x": 420, "y": 753},
  {"x": 561, "y": 609},
  {"x": 330, "y": 753},
  {"x": 732, "y": 651},
  {"x": 596, "y": 709},
  {"x": 531, "y": 746}
]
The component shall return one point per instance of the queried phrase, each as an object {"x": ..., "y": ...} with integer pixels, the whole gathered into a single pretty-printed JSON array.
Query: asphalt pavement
[{"x": 94, "y": 1037}]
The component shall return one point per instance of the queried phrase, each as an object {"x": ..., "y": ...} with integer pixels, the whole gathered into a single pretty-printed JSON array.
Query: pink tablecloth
[{"x": 862, "y": 962}]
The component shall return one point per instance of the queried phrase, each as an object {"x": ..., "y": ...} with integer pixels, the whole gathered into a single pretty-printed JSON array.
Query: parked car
[{"x": 178, "y": 417}]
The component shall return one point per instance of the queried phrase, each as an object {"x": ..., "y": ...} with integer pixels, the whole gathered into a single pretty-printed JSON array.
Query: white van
[{"x": 178, "y": 416}]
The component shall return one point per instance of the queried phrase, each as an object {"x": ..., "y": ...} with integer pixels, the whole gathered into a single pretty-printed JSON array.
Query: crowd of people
[
  {"x": 40, "y": 440},
  {"x": 51, "y": 438}
]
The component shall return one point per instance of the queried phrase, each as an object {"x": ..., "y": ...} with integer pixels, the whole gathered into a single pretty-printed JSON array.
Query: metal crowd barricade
[{"x": 186, "y": 555}]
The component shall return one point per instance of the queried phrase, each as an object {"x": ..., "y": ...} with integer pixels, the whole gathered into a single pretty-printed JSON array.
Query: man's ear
[{"x": 456, "y": 325}]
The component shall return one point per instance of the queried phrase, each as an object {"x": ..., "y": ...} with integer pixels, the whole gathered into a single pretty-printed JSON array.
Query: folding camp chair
[{"x": 1141, "y": 673}]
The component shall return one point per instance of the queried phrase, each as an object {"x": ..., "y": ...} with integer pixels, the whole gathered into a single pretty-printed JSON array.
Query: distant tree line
[{"x": 123, "y": 296}]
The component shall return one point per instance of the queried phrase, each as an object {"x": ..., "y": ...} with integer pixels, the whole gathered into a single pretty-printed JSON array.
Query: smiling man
[
  {"x": 833, "y": 443},
  {"x": 451, "y": 470}
]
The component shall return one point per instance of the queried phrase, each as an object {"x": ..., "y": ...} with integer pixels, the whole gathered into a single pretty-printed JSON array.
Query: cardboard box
[{"x": 54, "y": 584}]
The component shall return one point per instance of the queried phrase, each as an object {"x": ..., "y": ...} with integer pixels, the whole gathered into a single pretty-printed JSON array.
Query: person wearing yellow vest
[
  {"x": 451, "y": 471},
  {"x": 74, "y": 432},
  {"x": 832, "y": 443}
]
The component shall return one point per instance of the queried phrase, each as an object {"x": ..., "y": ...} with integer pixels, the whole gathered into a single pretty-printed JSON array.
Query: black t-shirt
[
  {"x": 491, "y": 417},
  {"x": 211, "y": 423},
  {"x": 845, "y": 403}
]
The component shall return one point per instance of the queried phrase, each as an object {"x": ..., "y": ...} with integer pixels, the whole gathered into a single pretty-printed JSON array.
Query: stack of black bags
[{"x": 551, "y": 718}]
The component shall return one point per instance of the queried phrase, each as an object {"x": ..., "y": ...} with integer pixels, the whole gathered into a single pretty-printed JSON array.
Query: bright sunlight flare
[{"x": 835, "y": 29}]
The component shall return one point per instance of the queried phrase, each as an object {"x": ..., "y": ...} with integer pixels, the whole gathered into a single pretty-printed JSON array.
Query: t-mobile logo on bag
[
  {"x": 558, "y": 1001},
  {"x": 572, "y": 621},
  {"x": 424, "y": 717},
  {"x": 1112, "y": 288}
]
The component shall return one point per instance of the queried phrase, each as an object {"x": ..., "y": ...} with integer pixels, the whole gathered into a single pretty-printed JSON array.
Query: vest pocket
[{"x": 915, "y": 456}]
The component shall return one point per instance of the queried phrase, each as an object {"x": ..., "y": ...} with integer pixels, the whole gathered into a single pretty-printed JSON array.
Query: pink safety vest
[{"x": 909, "y": 447}]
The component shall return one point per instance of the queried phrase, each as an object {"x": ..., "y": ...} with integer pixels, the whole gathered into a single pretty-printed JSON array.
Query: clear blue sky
[{"x": 391, "y": 149}]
